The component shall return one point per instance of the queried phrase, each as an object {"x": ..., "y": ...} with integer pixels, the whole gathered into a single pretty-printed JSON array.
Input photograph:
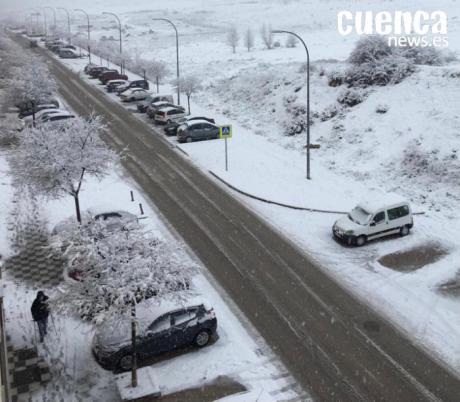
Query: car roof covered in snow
[
  {"x": 169, "y": 108},
  {"x": 199, "y": 121},
  {"x": 386, "y": 200}
]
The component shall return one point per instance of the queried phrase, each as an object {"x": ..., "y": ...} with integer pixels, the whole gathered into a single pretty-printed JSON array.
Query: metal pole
[
  {"x": 119, "y": 29},
  {"x": 177, "y": 54},
  {"x": 226, "y": 155},
  {"x": 89, "y": 32},
  {"x": 68, "y": 23},
  {"x": 308, "y": 95}
]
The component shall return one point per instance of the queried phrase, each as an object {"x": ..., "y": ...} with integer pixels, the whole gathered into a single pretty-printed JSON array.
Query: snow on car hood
[{"x": 346, "y": 224}]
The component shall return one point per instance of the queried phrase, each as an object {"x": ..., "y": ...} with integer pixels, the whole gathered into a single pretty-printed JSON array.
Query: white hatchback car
[
  {"x": 168, "y": 114},
  {"x": 134, "y": 94},
  {"x": 374, "y": 219}
]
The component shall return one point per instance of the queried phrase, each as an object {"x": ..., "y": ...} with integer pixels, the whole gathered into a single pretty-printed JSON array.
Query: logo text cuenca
[{"x": 419, "y": 28}]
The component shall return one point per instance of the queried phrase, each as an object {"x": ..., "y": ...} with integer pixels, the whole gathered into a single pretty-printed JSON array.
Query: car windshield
[{"x": 359, "y": 216}]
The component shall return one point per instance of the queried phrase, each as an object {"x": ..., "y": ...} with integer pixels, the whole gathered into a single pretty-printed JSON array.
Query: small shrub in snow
[
  {"x": 351, "y": 97},
  {"x": 382, "y": 108},
  {"x": 335, "y": 78},
  {"x": 370, "y": 48},
  {"x": 388, "y": 70},
  {"x": 329, "y": 113},
  {"x": 295, "y": 121},
  {"x": 430, "y": 56}
]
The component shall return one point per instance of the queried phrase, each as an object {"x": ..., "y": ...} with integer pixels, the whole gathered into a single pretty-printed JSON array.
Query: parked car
[
  {"x": 65, "y": 53},
  {"x": 67, "y": 46},
  {"x": 142, "y": 106},
  {"x": 374, "y": 219},
  {"x": 55, "y": 117},
  {"x": 97, "y": 71},
  {"x": 167, "y": 114},
  {"x": 112, "y": 75},
  {"x": 161, "y": 330},
  {"x": 114, "y": 220},
  {"x": 112, "y": 85},
  {"x": 133, "y": 84},
  {"x": 171, "y": 127},
  {"x": 38, "y": 108},
  {"x": 197, "y": 130},
  {"x": 134, "y": 94},
  {"x": 155, "y": 106},
  {"x": 88, "y": 67},
  {"x": 41, "y": 115}
]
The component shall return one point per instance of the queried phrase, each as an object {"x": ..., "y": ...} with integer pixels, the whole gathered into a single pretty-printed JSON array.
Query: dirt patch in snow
[{"x": 414, "y": 258}]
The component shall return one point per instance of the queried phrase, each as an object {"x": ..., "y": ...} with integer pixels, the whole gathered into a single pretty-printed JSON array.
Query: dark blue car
[{"x": 171, "y": 330}]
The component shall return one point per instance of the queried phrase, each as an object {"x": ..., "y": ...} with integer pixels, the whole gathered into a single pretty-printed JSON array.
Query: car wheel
[
  {"x": 404, "y": 231},
  {"x": 188, "y": 139},
  {"x": 202, "y": 338},
  {"x": 126, "y": 362},
  {"x": 132, "y": 99},
  {"x": 361, "y": 241}
]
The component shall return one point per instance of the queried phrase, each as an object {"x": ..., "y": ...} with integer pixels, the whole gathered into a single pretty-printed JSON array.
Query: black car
[
  {"x": 97, "y": 71},
  {"x": 171, "y": 127},
  {"x": 169, "y": 331},
  {"x": 133, "y": 84}
]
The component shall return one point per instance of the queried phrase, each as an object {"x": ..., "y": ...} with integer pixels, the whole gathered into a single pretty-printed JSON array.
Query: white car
[
  {"x": 28, "y": 120},
  {"x": 134, "y": 94},
  {"x": 374, "y": 219},
  {"x": 168, "y": 114},
  {"x": 55, "y": 117}
]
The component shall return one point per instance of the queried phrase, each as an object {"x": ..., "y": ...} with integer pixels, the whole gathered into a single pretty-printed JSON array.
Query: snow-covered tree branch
[
  {"x": 120, "y": 269},
  {"x": 54, "y": 159}
]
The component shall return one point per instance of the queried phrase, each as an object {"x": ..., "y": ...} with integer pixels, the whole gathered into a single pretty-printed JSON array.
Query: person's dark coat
[{"x": 40, "y": 310}]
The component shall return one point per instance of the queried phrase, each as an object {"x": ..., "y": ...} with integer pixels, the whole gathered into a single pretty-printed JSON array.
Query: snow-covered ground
[
  {"x": 412, "y": 149},
  {"x": 238, "y": 353}
]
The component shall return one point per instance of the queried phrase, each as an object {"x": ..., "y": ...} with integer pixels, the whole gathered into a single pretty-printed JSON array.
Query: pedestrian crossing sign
[{"x": 225, "y": 131}]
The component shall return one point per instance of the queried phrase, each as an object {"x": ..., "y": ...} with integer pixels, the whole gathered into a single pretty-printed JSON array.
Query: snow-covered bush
[
  {"x": 295, "y": 119},
  {"x": 423, "y": 55},
  {"x": 329, "y": 112},
  {"x": 382, "y": 108},
  {"x": 370, "y": 48},
  {"x": 374, "y": 62},
  {"x": 9, "y": 130},
  {"x": 335, "y": 78},
  {"x": 391, "y": 69},
  {"x": 351, "y": 97}
]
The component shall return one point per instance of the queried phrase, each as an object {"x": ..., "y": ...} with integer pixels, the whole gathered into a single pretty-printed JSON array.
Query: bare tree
[
  {"x": 118, "y": 270},
  {"x": 54, "y": 158},
  {"x": 233, "y": 38},
  {"x": 188, "y": 85},
  {"x": 267, "y": 35},
  {"x": 157, "y": 69},
  {"x": 249, "y": 39},
  {"x": 291, "y": 41}
]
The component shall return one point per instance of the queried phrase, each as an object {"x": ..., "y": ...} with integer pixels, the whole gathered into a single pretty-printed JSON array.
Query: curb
[{"x": 255, "y": 197}]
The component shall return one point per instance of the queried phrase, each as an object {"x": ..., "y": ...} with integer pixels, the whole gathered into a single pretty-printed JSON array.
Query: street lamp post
[
  {"x": 68, "y": 23},
  {"x": 89, "y": 32},
  {"x": 277, "y": 31},
  {"x": 119, "y": 29},
  {"x": 177, "y": 53},
  {"x": 54, "y": 15}
]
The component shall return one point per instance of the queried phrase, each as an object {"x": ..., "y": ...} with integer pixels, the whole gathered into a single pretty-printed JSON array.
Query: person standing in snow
[{"x": 40, "y": 313}]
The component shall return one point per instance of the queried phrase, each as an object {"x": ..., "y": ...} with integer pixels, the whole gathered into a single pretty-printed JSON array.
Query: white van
[{"x": 373, "y": 219}]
